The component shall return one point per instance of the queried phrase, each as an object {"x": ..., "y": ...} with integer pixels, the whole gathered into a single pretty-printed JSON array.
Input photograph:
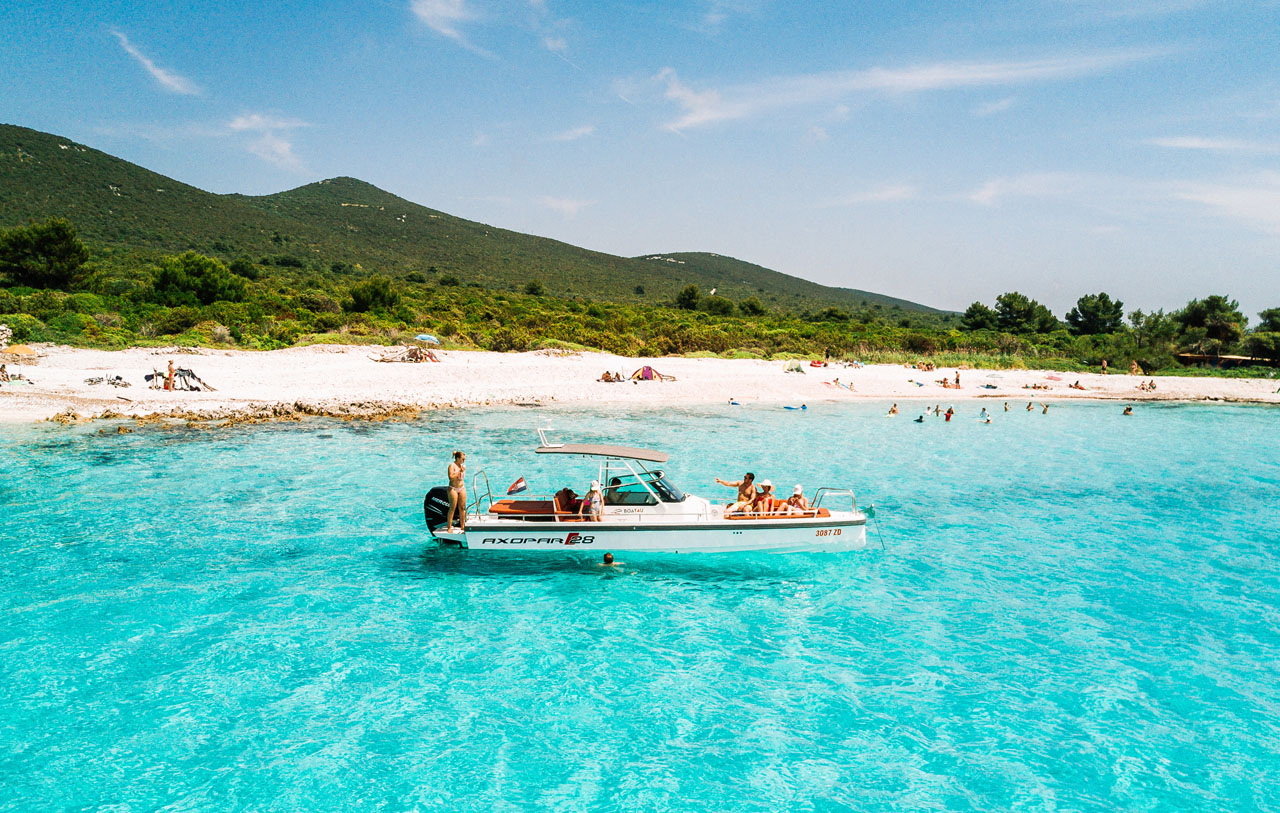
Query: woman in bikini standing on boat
[{"x": 458, "y": 490}]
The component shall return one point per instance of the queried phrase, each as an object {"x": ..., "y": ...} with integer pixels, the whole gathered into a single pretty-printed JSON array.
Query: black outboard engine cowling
[{"x": 435, "y": 507}]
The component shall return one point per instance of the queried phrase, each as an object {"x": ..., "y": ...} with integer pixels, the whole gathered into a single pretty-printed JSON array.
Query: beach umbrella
[{"x": 428, "y": 338}]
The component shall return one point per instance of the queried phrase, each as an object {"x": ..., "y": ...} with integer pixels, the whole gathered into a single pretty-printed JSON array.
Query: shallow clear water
[{"x": 1071, "y": 611}]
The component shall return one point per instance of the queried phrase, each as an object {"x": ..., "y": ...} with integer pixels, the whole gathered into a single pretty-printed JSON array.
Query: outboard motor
[{"x": 435, "y": 507}]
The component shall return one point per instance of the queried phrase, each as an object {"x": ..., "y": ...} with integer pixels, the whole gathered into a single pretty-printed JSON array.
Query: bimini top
[{"x": 598, "y": 450}]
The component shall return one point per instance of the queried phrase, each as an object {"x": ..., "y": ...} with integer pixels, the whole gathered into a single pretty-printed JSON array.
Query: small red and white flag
[{"x": 518, "y": 486}]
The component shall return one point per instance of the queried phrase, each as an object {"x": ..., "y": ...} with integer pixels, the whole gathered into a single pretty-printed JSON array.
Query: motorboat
[{"x": 642, "y": 510}]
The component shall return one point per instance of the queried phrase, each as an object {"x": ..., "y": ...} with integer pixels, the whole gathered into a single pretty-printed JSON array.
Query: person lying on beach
[
  {"x": 796, "y": 503},
  {"x": 746, "y": 492},
  {"x": 608, "y": 376},
  {"x": 1152, "y": 386},
  {"x": 1076, "y": 386}
]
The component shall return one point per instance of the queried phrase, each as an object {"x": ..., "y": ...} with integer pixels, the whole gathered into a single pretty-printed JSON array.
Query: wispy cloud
[
  {"x": 993, "y": 107},
  {"x": 575, "y": 133},
  {"x": 719, "y": 11},
  {"x": 269, "y": 138},
  {"x": 168, "y": 79},
  {"x": 889, "y": 193},
  {"x": 569, "y": 207},
  {"x": 1030, "y": 185},
  {"x": 1212, "y": 144},
  {"x": 708, "y": 106},
  {"x": 446, "y": 18},
  {"x": 1253, "y": 201}
]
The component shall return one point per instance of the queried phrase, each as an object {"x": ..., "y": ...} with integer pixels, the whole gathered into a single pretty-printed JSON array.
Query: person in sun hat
[
  {"x": 592, "y": 506},
  {"x": 766, "y": 501}
]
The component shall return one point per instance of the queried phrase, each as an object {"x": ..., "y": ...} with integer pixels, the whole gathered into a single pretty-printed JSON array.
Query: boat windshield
[
  {"x": 628, "y": 489},
  {"x": 666, "y": 491}
]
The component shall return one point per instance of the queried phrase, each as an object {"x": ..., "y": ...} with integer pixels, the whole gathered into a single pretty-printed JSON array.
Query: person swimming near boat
[
  {"x": 457, "y": 490},
  {"x": 802, "y": 407},
  {"x": 893, "y": 410},
  {"x": 746, "y": 492},
  {"x": 608, "y": 561},
  {"x": 592, "y": 506},
  {"x": 1128, "y": 410}
]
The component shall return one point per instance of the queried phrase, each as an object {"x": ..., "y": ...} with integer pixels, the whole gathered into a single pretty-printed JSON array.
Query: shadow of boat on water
[{"x": 738, "y": 569}]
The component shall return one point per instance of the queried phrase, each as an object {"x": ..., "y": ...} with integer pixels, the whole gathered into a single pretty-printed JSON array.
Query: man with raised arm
[{"x": 746, "y": 492}]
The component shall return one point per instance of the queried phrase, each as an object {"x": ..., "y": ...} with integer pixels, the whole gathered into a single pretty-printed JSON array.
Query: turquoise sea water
[{"x": 1072, "y": 611}]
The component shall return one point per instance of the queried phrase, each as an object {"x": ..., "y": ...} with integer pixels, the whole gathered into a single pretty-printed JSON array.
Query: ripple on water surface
[{"x": 1075, "y": 610}]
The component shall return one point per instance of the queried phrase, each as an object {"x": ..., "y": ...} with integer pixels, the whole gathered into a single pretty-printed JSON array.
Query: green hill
[{"x": 122, "y": 209}]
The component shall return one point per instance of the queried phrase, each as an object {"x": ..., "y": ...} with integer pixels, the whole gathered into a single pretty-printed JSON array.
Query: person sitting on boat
[
  {"x": 566, "y": 501},
  {"x": 796, "y": 503},
  {"x": 766, "y": 502},
  {"x": 746, "y": 492},
  {"x": 592, "y": 506}
]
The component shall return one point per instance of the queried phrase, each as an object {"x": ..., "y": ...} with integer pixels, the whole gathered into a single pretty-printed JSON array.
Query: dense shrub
[
  {"x": 374, "y": 293},
  {"x": 194, "y": 279}
]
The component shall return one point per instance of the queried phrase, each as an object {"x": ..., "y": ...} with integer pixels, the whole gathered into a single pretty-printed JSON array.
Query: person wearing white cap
[
  {"x": 796, "y": 503},
  {"x": 592, "y": 506}
]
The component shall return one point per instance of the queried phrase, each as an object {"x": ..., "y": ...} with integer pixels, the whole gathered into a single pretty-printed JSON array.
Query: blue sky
[{"x": 939, "y": 152}]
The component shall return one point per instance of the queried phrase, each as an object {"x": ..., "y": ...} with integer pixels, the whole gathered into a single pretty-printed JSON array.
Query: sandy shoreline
[{"x": 347, "y": 382}]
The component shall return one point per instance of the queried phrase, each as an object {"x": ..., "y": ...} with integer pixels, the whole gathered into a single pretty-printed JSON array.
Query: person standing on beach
[
  {"x": 458, "y": 491},
  {"x": 957, "y": 379},
  {"x": 168, "y": 377},
  {"x": 1104, "y": 366}
]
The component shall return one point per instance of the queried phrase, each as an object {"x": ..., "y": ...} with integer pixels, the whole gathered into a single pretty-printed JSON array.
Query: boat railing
[
  {"x": 481, "y": 499},
  {"x": 712, "y": 511},
  {"x": 835, "y": 492}
]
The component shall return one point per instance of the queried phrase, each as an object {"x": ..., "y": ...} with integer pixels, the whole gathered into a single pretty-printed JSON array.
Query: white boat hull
[{"x": 839, "y": 532}]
